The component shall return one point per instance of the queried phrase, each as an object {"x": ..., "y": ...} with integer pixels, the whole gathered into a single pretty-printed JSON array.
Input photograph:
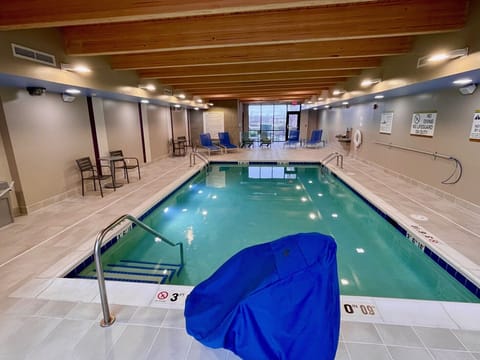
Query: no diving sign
[{"x": 172, "y": 297}]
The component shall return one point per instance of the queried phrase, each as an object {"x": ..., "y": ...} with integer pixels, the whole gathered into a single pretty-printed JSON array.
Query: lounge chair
[
  {"x": 224, "y": 138},
  {"x": 315, "y": 139},
  {"x": 247, "y": 141},
  {"x": 293, "y": 139},
  {"x": 126, "y": 163},
  {"x": 265, "y": 140},
  {"x": 206, "y": 143},
  {"x": 90, "y": 172}
]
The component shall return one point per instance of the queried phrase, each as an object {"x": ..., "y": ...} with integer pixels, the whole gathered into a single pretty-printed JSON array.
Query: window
[{"x": 269, "y": 119}]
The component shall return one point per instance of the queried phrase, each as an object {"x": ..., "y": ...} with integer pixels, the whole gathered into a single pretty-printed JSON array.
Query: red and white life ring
[{"x": 357, "y": 138}]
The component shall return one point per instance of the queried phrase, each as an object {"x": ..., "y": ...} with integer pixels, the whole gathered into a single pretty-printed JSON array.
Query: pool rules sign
[
  {"x": 423, "y": 124},
  {"x": 475, "y": 132}
]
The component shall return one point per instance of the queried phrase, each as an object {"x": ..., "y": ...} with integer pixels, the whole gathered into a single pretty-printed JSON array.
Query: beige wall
[
  {"x": 122, "y": 122},
  {"x": 47, "y": 136},
  {"x": 159, "y": 133},
  {"x": 232, "y": 123},
  {"x": 451, "y": 137}
]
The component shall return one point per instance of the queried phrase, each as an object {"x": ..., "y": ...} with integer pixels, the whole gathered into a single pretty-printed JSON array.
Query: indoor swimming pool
[{"x": 219, "y": 212}]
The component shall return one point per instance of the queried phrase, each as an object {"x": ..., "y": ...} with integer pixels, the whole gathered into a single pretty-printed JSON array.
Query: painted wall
[
  {"x": 47, "y": 135},
  {"x": 451, "y": 137},
  {"x": 232, "y": 123},
  {"x": 122, "y": 123},
  {"x": 159, "y": 130}
]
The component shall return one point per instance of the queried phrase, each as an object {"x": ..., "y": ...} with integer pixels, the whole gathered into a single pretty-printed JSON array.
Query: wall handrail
[
  {"x": 448, "y": 180},
  {"x": 108, "y": 318}
]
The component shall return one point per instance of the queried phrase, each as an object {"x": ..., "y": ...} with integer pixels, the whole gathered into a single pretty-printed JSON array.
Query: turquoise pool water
[{"x": 232, "y": 207}]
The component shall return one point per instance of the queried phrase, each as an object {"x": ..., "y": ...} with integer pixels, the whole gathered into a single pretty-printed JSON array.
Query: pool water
[{"x": 232, "y": 207}]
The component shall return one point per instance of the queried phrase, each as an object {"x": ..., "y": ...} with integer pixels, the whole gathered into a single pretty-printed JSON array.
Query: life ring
[{"x": 357, "y": 138}]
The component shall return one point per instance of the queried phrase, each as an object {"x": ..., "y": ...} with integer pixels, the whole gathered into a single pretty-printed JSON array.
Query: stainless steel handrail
[
  {"x": 108, "y": 318},
  {"x": 331, "y": 156},
  {"x": 458, "y": 164},
  {"x": 195, "y": 154}
]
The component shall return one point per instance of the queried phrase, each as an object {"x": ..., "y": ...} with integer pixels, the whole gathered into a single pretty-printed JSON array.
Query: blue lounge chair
[
  {"x": 293, "y": 139},
  {"x": 315, "y": 139},
  {"x": 206, "y": 143},
  {"x": 224, "y": 138}
]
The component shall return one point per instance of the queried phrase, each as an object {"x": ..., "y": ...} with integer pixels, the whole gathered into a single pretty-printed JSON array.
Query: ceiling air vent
[{"x": 33, "y": 55}]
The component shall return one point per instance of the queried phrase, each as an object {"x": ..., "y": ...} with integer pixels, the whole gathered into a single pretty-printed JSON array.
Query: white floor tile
[
  {"x": 134, "y": 343},
  {"x": 170, "y": 344},
  {"x": 60, "y": 342},
  {"x": 70, "y": 290},
  {"x": 423, "y": 313},
  {"x": 438, "y": 338},
  {"x": 451, "y": 355},
  {"x": 466, "y": 316},
  {"x": 408, "y": 353}
]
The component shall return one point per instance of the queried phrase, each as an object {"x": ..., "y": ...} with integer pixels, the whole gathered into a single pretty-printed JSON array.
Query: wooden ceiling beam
[
  {"x": 29, "y": 14},
  {"x": 267, "y": 53},
  {"x": 196, "y": 91},
  {"x": 262, "y": 77},
  {"x": 261, "y": 68},
  {"x": 344, "y": 21}
]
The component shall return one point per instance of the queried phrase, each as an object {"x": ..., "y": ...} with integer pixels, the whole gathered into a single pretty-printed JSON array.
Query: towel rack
[{"x": 449, "y": 180}]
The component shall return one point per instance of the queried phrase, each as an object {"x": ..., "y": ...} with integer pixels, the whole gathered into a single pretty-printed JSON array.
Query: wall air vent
[{"x": 33, "y": 55}]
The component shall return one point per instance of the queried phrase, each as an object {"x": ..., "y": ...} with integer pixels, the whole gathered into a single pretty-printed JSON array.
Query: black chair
[
  {"x": 126, "y": 163},
  {"x": 89, "y": 172}
]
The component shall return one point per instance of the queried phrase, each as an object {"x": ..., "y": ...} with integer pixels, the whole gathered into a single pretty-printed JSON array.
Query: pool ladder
[
  {"x": 331, "y": 156},
  {"x": 194, "y": 154},
  {"x": 108, "y": 318}
]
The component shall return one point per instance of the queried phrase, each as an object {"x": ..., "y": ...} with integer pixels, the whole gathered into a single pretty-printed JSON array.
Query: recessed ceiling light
[
  {"x": 149, "y": 87},
  {"x": 76, "y": 68},
  {"x": 73, "y": 91},
  {"x": 438, "y": 57},
  {"x": 369, "y": 82},
  {"x": 463, "y": 81}
]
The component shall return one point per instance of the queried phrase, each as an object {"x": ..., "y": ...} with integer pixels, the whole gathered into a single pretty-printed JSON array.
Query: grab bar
[
  {"x": 109, "y": 319},
  {"x": 458, "y": 164},
  {"x": 195, "y": 154},
  {"x": 331, "y": 156}
]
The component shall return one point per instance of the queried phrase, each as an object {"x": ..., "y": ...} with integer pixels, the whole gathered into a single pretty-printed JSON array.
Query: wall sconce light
[
  {"x": 82, "y": 69},
  {"x": 441, "y": 56},
  {"x": 337, "y": 92},
  {"x": 379, "y": 96},
  {"x": 369, "y": 82},
  {"x": 210, "y": 104},
  {"x": 144, "y": 101},
  {"x": 68, "y": 98},
  {"x": 149, "y": 87},
  {"x": 181, "y": 96}
]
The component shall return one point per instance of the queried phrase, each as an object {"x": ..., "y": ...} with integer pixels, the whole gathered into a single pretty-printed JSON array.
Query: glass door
[{"x": 293, "y": 122}]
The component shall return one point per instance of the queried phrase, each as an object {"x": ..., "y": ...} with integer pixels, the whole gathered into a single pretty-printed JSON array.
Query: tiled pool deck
[{"x": 44, "y": 316}]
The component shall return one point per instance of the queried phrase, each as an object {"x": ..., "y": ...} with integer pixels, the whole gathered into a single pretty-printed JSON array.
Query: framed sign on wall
[
  {"x": 423, "y": 124},
  {"x": 475, "y": 132},
  {"x": 386, "y": 123}
]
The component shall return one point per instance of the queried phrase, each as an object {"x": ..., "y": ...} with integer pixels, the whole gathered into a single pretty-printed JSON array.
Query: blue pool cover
[{"x": 278, "y": 300}]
